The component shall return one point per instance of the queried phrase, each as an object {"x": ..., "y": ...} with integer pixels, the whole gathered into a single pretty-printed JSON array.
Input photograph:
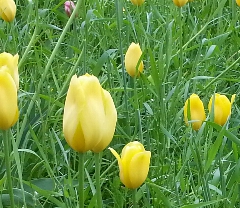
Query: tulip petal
[
  {"x": 11, "y": 62},
  {"x": 197, "y": 113},
  {"x": 128, "y": 152},
  {"x": 124, "y": 177},
  {"x": 138, "y": 169},
  {"x": 131, "y": 149},
  {"x": 109, "y": 122},
  {"x": 132, "y": 57},
  {"x": 180, "y": 3},
  {"x": 7, "y": 10},
  {"x": 137, "y": 2},
  {"x": 233, "y": 98},
  {"x": 116, "y": 155},
  {"x": 8, "y": 105},
  {"x": 93, "y": 111},
  {"x": 71, "y": 126},
  {"x": 222, "y": 108}
]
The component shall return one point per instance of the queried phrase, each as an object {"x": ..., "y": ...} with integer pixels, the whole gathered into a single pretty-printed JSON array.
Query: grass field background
[{"x": 193, "y": 49}]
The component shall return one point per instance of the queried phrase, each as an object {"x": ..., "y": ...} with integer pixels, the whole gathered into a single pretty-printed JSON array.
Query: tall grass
[{"x": 192, "y": 50}]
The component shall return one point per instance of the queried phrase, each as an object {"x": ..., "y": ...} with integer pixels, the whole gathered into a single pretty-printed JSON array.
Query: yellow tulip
[
  {"x": 197, "y": 113},
  {"x": 7, "y": 10},
  {"x": 7, "y": 59},
  {"x": 222, "y": 108},
  {"x": 133, "y": 164},
  {"x": 180, "y": 3},
  {"x": 238, "y": 2},
  {"x": 137, "y": 2},
  {"x": 8, "y": 96},
  {"x": 90, "y": 115},
  {"x": 132, "y": 57}
]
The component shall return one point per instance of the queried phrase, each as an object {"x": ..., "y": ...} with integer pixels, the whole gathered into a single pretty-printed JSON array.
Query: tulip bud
[
  {"x": 7, "y": 10},
  {"x": 238, "y": 2},
  {"x": 7, "y": 59},
  {"x": 8, "y": 96},
  {"x": 180, "y": 3},
  {"x": 196, "y": 110},
  {"x": 132, "y": 57},
  {"x": 221, "y": 107},
  {"x": 137, "y": 2},
  {"x": 69, "y": 6},
  {"x": 133, "y": 164},
  {"x": 90, "y": 115}
]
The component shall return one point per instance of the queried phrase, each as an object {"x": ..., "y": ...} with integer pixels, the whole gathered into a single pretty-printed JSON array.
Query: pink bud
[{"x": 69, "y": 6}]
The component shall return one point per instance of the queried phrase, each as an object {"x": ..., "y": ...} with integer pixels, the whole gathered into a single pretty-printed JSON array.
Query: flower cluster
[
  {"x": 89, "y": 122},
  {"x": 194, "y": 110}
]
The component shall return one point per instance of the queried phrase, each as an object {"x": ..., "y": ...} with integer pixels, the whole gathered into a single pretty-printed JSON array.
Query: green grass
[{"x": 188, "y": 169}]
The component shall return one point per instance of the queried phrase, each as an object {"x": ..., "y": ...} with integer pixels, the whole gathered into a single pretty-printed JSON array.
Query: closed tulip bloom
[
  {"x": 137, "y": 2},
  {"x": 7, "y": 59},
  {"x": 133, "y": 164},
  {"x": 222, "y": 108},
  {"x": 238, "y": 2},
  {"x": 180, "y": 3},
  {"x": 69, "y": 6},
  {"x": 196, "y": 109},
  {"x": 7, "y": 10},
  {"x": 8, "y": 97},
  {"x": 132, "y": 57},
  {"x": 90, "y": 115}
]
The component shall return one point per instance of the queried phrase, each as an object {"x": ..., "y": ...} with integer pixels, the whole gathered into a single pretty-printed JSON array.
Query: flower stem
[
  {"x": 97, "y": 177},
  {"x": 134, "y": 193},
  {"x": 81, "y": 180},
  {"x": 8, "y": 164},
  {"x": 119, "y": 8}
]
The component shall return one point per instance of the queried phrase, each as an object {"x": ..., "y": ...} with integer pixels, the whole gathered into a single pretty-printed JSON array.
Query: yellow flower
[
  {"x": 238, "y": 2},
  {"x": 133, "y": 164},
  {"x": 180, "y": 3},
  {"x": 132, "y": 57},
  {"x": 137, "y": 2},
  {"x": 7, "y": 59},
  {"x": 8, "y": 97},
  {"x": 222, "y": 108},
  {"x": 90, "y": 115},
  {"x": 7, "y": 10},
  {"x": 196, "y": 110}
]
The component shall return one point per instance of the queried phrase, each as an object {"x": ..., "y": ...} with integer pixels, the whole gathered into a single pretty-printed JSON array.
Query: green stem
[
  {"x": 180, "y": 59},
  {"x": 180, "y": 45},
  {"x": 234, "y": 19},
  {"x": 134, "y": 193},
  {"x": 43, "y": 77},
  {"x": 118, "y": 10},
  {"x": 81, "y": 180},
  {"x": 97, "y": 177},
  {"x": 7, "y": 152}
]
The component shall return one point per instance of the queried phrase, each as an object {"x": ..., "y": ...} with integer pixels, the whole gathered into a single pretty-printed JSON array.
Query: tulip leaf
[
  {"x": 202, "y": 77},
  {"x": 30, "y": 200},
  {"x": 160, "y": 195},
  {"x": 167, "y": 134},
  {"x": 218, "y": 40},
  {"x": 202, "y": 204},
  {"x": 210, "y": 51},
  {"x": 227, "y": 133},
  {"x": 29, "y": 151},
  {"x": 45, "y": 188},
  {"x": 214, "y": 149},
  {"x": 102, "y": 60}
]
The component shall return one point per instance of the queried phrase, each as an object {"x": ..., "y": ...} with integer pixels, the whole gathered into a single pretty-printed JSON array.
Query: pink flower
[{"x": 69, "y": 6}]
